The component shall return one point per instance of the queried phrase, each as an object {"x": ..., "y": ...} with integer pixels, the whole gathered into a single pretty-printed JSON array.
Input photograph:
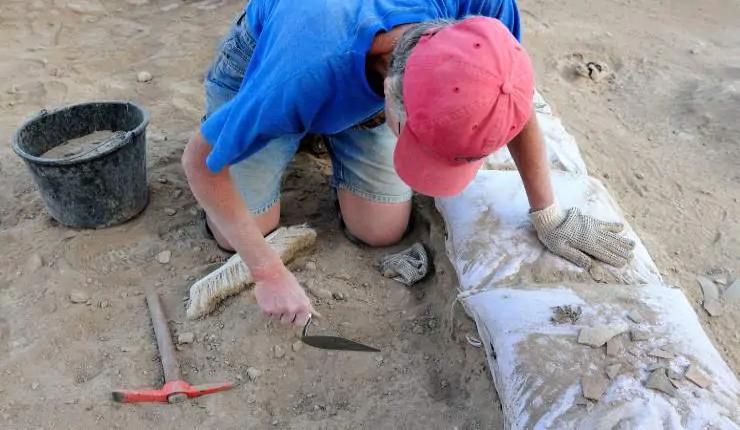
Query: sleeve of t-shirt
[
  {"x": 505, "y": 11},
  {"x": 266, "y": 107}
]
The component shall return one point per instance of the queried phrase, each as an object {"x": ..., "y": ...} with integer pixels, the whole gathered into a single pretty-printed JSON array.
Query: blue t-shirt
[{"x": 307, "y": 72}]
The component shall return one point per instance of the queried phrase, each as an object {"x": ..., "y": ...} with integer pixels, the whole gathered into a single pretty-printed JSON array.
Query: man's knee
[
  {"x": 376, "y": 224},
  {"x": 268, "y": 220},
  {"x": 379, "y": 235}
]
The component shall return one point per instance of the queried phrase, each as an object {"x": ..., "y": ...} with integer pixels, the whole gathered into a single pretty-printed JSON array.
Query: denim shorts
[{"x": 362, "y": 157}]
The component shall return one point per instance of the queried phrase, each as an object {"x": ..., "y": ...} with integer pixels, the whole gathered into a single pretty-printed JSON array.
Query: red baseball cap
[{"x": 468, "y": 91}]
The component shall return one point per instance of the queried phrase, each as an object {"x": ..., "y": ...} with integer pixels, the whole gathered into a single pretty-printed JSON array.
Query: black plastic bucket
[{"x": 98, "y": 190}]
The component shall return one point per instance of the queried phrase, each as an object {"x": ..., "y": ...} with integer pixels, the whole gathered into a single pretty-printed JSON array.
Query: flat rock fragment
[
  {"x": 732, "y": 293},
  {"x": 661, "y": 353},
  {"x": 612, "y": 370},
  {"x": 635, "y": 316},
  {"x": 697, "y": 376},
  {"x": 708, "y": 288},
  {"x": 593, "y": 386},
  {"x": 639, "y": 335},
  {"x": 596, "y": 336},
  {"x": 659, "y": 381},
  {"x": 711, "y": 293}
]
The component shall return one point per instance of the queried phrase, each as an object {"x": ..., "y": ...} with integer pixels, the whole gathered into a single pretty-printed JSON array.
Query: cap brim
[{"x": 428, "y": 174}]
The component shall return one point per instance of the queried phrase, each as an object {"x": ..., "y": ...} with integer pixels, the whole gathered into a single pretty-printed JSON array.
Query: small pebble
[
  {"x": 297, "y": 346},
  {"x": 164, "y": 257},
  {"x": 278, "y": 351},
  {"x": 184, "y": 338},
  {"x": 597, "y": 272},
  {"x": 170, "y": 211},
  {"x": 324, "y": 294},
  {"x": 253, "y": 373},
  {"x": 343, "y": 276},
  {"x": 310, "y": 265},
  {"x": 34, "y": 263},
  {"x": 144, "y": 76},
  {"x": 77, "y": 296},
  {"x": 417, "y": 329},
  {"x": 338, "y": 296},
  {"x": 162, "y": 180}
]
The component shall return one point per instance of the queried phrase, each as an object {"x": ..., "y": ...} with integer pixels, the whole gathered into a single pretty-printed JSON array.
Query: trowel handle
[{"x": 164, "y": 339}]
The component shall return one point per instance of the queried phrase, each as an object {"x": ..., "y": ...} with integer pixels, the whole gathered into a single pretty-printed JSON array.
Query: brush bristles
[{"x": 234, "y": 275}]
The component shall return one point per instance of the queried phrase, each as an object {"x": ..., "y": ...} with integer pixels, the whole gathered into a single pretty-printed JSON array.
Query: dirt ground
[{"x": 660, "y": 129}]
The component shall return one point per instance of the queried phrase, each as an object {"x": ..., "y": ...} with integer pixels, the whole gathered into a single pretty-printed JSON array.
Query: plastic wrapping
[
  {"x": 538, "y": 365},
  {"x": 490, "y": 239}
]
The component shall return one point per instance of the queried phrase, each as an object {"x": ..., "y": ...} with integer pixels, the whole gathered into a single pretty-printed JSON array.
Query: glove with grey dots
[{"x": 579, "y": 238}]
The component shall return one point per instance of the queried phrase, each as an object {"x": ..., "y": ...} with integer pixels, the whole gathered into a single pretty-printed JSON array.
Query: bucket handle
[{"x": 125, "y": 139}]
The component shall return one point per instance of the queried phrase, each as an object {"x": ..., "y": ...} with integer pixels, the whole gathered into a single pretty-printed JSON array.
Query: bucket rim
[{"x": 138, "y": 130}]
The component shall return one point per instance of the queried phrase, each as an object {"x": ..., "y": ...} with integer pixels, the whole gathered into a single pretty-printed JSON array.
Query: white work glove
[{"x": 578, "y": 237}]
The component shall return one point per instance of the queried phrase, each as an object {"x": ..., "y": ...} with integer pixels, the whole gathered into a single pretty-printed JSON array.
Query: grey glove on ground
[
  {"x": 578, "y": 237},
  {"x": 407, "y": 267}
]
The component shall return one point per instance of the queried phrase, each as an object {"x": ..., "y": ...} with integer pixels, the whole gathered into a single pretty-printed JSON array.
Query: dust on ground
[{"x": 656, "y": 120}]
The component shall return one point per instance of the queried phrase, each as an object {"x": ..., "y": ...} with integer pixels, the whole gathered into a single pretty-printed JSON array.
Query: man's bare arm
[
  {"x": 530, "y": 156},
  {"x": 277, "y": 290},
  {"x": 567, "y": 233}
]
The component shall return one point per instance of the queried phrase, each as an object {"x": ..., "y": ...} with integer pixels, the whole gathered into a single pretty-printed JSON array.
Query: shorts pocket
[{"x": 230, "y": 65}]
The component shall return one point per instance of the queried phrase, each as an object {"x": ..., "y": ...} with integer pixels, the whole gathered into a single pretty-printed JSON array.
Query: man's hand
[
  {"x": 282, "y": 298},
  {"x": 575, "y": 236},
  {"x": 277, "y": 290}
]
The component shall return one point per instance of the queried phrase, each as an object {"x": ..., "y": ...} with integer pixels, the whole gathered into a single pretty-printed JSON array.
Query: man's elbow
[{"x": 193, "y": 158}]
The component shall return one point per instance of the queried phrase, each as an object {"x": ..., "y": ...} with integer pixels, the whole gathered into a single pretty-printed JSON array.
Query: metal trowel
[{"x": 333, "y": 342}]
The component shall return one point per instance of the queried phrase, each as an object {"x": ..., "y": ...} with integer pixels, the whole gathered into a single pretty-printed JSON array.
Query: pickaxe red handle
[
  {"x": 171, "y": 392},
  {"x": 175, "y": 389}
]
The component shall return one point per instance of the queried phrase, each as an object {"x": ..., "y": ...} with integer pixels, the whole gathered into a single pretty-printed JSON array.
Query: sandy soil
[{"x": 660, "y": 128}]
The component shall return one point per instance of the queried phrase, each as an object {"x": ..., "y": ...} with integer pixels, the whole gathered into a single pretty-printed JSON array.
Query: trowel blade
[{"x": 336, "y": 343}]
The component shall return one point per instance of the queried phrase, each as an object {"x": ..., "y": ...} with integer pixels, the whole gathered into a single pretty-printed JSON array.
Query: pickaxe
[{"x": 175, "y": 389}]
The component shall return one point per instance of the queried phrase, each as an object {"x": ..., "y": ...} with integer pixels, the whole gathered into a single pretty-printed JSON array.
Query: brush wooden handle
[{"x": 234, "y": 276}]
